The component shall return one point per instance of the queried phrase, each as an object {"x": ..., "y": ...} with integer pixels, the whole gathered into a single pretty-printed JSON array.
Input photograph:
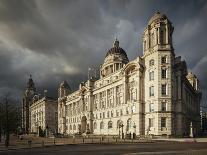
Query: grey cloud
[{"x": 57, "y": 40}]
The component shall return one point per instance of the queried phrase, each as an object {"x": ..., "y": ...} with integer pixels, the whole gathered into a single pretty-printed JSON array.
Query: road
[{"x": 116, "y": 149}]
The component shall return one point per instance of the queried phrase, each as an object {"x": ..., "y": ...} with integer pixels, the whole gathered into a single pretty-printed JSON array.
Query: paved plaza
[{"x": 116, "y": 149}]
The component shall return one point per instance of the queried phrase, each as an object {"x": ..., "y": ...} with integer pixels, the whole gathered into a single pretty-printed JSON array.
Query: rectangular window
[
  {"x": 164, "y": 73},
  {"x": 151, "y": 107},
  {"x": 163, "y": 107},
  {"x": 151, "y": 91},
  {"x": 151, "y": 75},
  {"x": 163, "y": 122},
  {"x": 151, "y": 122},
  {"x": 164, "y": 60},
  {"x": 164, "y": 89}
]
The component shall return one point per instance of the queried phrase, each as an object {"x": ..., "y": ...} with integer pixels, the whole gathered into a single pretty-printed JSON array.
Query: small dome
[
  {"x": 116, "y": 50},
  {"x": 157, "y": 16},
  {"x": 64, "y": 84},
  {"x": 191, "y": 75}
]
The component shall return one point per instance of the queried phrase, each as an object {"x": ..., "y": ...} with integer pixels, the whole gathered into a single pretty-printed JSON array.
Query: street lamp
[{"x": 122, "y": 133}]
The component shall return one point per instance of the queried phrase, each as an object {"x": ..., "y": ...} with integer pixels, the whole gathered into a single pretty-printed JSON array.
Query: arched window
[
  {"x": 74, "y": 127},
  {"x": 152, "y": 39},
  {"x": 151, "y": 91},
  {"x": 162, "y": 36},
  {"x": 102, "y": 125},
  {"x": 95, "y": 125},
  {"x": 110, "y": 125},
  {"x": 129, "y": 124},
  {"x": 151, "y": 62},
  {"x": 119, "y": 124},
  {"x": 70, "y": 127}
]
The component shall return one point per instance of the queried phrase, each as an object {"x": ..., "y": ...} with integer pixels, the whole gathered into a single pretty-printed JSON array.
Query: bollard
[
  {"x": 54, "y": 141},
  {"x": 100, "y": 140},
  {"x": 83, "y": 140},
  {"x": 42, "y": 143},
  {"x": 29, "y": 143},
  {"x": 92, "y": 139},
  {"x": 108, "y": 139},
  {"x": 116, "y": 140}
]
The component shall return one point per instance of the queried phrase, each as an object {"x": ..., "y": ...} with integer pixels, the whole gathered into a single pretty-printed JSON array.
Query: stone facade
[
  {"x": 150, "y": 95},
  {"x": 43, "y": 113}
]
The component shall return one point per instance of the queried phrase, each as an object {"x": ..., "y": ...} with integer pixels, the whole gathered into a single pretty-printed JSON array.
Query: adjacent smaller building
[{"x": 43, "y": 114}]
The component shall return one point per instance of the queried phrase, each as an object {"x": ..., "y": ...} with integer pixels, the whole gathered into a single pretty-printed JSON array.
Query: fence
[{"x": 44, "y": 142}]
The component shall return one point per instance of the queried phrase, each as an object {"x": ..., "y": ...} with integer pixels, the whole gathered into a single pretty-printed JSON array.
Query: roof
[
  {"x": 157, "y": 16},
  {"x": 117, "y": 50}
]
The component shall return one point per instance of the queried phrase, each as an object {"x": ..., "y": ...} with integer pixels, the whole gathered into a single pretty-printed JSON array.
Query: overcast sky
[{"x": 58, "y": 40}]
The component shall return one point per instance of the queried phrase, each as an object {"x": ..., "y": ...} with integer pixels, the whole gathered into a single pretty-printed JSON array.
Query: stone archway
[{"x": 83, "y": 124}]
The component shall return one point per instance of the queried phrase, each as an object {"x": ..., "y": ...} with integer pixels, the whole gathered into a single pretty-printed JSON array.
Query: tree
[{"x": 10, "y": 117}]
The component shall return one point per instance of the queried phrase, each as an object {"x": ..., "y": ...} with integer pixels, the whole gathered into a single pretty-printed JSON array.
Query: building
[
  {"x": 204, "y": 122},
  {"x": 43, "y": 115},
  {"x": 26, "y": 102},
  {"x": 151, "y": 95}
]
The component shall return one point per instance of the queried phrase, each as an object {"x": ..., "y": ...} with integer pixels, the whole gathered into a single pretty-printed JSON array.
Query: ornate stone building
[
  {"x": 43, "y": 115},
  {"x": 152, "y": 94},
  {"x": 26, "y": 102}
]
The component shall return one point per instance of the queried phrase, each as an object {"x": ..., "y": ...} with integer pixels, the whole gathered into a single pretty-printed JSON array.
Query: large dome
[
  {"x": 116, "y": 50},
  {"x": 157, "y": 16}
]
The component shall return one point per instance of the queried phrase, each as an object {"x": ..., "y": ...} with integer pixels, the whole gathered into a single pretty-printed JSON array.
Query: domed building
[
  {"x": 150, "y": 95},
  {"x": 115, "y": 59}
]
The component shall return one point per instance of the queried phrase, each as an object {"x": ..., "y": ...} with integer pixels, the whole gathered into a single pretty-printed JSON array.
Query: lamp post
[
  {"x": 0, "y": 121},
  {"x": 122, "y": 133}
]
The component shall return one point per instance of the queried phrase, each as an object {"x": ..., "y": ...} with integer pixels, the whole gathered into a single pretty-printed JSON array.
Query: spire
[
  {"x": 116, "y": 43},
  {"x": 30, "y": 83}
]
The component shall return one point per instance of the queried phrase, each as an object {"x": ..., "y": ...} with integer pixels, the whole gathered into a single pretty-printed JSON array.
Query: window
[
  {"x": 164, "y": 89},
  {"x": 151, "y": 107},
  {"x": 151, "y": 91},
  {"x": 100, "y": 115},
  {"x": 163, "y": 122},
  {"x": 151, "y": 122},
  {"x": 162, "y": 36},
  {"x": 164, "y": 73},
  {"x": 74, "y": 127},
  {"x": 151, "y": 62},
  {"x": 151, "y": 75},
  {"x": 164, "y": 60},
  {"x": 121, "y": 113},
  {"x": 110, "y": 125},
  {"x": 111, "y": 113},
  {"x": 108, "y": 114},
  {"x": 145, "y": 47},
  {"x": 103, "y": 114},
  {"x": 95, "y": 125},
  {"x": 117, "y": 113},
  {"x": 163, "y": 106},
  {"x": 102, "y": 125},
  {"x": 152, "y": 39}
]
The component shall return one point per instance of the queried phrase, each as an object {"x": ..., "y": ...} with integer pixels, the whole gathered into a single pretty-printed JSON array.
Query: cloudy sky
[{"x": 58, "y": 40}]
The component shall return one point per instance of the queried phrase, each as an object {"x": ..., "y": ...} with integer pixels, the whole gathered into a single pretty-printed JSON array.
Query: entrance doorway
[{"x": 83, "y": 124}]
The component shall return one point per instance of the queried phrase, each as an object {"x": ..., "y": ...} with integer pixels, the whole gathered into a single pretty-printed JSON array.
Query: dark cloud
[{"x": 56, "y": 40}]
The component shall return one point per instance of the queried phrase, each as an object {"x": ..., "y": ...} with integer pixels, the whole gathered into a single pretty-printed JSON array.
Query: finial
[
  {"x": 30, "y": 76},
  {"x": 158, "y": 12},
  {"x": 116, "y": 43}
]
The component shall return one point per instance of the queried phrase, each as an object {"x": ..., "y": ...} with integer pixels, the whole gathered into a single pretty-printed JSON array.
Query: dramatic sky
[{"x": 58, "y": 40}]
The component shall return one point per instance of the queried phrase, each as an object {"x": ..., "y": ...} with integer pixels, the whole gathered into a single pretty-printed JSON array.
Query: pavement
[
  {"x": 48, "y": 145},
  {"x": 166, "y": 148},
  {"x": 200, "y": 140}
]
